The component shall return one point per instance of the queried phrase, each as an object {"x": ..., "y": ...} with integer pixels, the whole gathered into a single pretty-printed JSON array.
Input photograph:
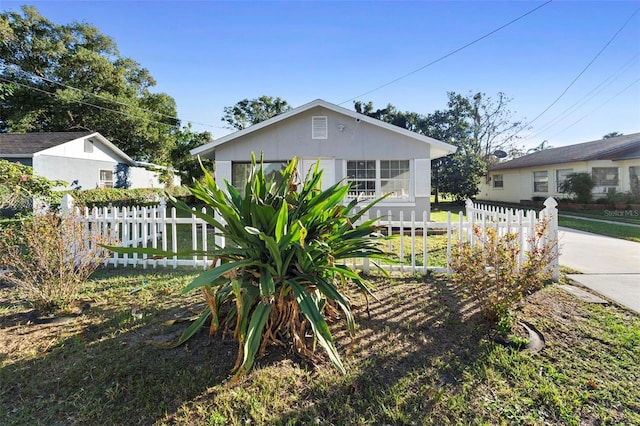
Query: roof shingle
[
  {"x": 30, "y": 143},
  {"x": 613, "y": 148}
]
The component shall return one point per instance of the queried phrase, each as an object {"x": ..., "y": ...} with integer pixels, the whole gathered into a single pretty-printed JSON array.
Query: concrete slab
[
  {"x": 582, "y": 294},
  {"x": 621, "y": 288},
  {"x": 597, "y": 254}
]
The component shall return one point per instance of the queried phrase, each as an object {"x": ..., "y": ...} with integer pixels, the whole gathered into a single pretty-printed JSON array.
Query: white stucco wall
[
  {"x": 348, "y": 139},
  {"x": 76, "y": 149}
]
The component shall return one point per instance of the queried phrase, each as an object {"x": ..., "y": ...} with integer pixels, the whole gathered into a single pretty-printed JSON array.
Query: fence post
[
  {"x": 551, "y": 213},
  {"x": 67, "y": 205},
  {"x": 469, "y": 207}
]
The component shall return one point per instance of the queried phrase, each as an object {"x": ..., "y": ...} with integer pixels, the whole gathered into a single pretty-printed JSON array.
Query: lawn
[
  {"x": 625, "y": 232},
  {"x": 423, "y": 356}
]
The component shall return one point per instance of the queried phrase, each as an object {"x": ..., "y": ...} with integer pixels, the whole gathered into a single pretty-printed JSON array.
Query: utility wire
[
  {"x": 598, "y": 107},
  {"x": 586, "y": 98},
  {"x": 581, "y": 72},
  {"x": 448, "y": 54},
  {"x": 105, "y": 98},
  {"x": 6, "y": 80}
]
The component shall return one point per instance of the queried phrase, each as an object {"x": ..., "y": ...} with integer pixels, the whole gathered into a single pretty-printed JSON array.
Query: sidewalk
[{"x": 609, "y": 266}]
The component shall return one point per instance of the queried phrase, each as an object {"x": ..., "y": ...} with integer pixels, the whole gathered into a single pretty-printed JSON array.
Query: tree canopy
[
  {"x": 248, "y": 112},
  {"x": 72, "y": 77},
  {"x": 477, "y": 124},
  {"x": 612, "y": 135}
]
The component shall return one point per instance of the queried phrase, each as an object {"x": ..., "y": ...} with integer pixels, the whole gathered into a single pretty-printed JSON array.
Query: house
[
  {"x": 85, "y": 160},
  {"x": 373, "y": 156},
  {"x": 613, "y": 163}
]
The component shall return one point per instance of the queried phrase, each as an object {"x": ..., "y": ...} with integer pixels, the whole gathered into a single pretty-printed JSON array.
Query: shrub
[
  {"x": 18, "y": 187},
  {"x": 580, "y": 185},
  {"x": 489, "y": 269},
  {"x": 280, "y": 275},
  {"x": 117, "y": 197},
  {"x": 49, "y": 258}
]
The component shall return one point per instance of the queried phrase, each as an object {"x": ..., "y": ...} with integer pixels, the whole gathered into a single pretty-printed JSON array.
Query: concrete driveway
[{"x": 609, "y": 266}]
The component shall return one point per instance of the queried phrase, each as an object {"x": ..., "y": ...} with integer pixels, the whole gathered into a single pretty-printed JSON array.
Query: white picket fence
[
  {"x": 411, "y": 231},
  {"x": 162, "y": 228}
]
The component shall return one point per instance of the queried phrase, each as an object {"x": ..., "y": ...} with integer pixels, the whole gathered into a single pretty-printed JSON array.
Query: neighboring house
[
  {"x": 85, "y": 160},
  {"x": 613, "y": 163},
  {"x": 373, "y": 156}
]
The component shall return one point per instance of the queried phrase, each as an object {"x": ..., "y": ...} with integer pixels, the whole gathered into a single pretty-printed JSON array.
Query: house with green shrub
[
  {"x": 613, "y": 163},
  {"x": 374, "y": 157},
  {"x": 85, "y": 160}
]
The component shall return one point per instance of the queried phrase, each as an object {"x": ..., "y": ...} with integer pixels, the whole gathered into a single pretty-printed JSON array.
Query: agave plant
[{"x": 281, "y": 272}]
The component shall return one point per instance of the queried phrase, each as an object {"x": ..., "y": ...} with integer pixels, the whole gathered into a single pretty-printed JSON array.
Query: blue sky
[{"x": 209, "y": 54}]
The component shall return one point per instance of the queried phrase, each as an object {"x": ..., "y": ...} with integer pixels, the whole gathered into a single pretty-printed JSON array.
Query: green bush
[
  {"x": 580, "y": 185},
  {"x": 119, "y": 197},
  {"x": 489, "y": 269},
  {"x": 281, "y": 272},
  {"x": 19, "y": 186},
  {"x": 625, "y": 198}
]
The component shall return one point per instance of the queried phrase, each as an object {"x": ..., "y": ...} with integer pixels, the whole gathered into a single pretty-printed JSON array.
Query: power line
[
  {"x": 106, "y": 98},
  {"x": 6, "y": 80},
  {"x": 448, "y": 54},
  {"x": 598, "y": 107},
  {"x": 586, "y": 98},
  {"x": 581, "y": 72}
]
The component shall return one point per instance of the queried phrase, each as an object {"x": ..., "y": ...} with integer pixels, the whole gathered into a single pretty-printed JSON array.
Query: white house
[
  {"x": 373, "y": 156},
  {"x": 613, "y": 163},
  {"x": 82, "y": 159}
]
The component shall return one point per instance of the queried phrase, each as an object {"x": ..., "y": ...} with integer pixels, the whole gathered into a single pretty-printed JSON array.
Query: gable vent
[{"x": 319, "y": 127}]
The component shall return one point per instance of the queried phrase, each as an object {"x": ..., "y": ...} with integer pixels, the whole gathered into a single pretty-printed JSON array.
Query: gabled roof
[
  {"x": 28, "y": 144},
  {"x": 440, "y": 148},
  {"x": 621, "y": 147}
]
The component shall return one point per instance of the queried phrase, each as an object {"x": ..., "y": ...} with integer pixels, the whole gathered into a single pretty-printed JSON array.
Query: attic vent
[
  {"x": 319, "y": 127},
  {"x": 88, "y": 145}
]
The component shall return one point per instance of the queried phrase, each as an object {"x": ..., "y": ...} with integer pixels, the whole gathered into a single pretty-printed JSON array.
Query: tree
[
  {"x": 579, "y": 184},
  {"x": 182, "y": 159},
  {"x": 612, "y": 135},
  {"x": 491, "y": 124},
  {"x": 248, "y": 112},
  {"x": 543, "y": 145},
  {"x": 72, "y": 77}
]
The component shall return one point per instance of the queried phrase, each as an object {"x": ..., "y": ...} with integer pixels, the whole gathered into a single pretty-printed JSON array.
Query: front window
[
  {"x": 498, "y": 181},
  {"x": 374, "y": 178},
  {"x": 106, "y": 178},
  {"x": 561, "y": 178},
  {"x": 605, "y": 176},
  {"x": 240, "y": 173},
  {"x": 541, "y": 181},
  {"x": 634, "y": 179}
]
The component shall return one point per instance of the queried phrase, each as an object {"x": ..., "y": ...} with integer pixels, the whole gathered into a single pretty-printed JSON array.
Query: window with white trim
[
  {"x": 106, "y": 178},
  {"x": 370, "y": 179},
  {"x": 561, "y": 178},
  {"x": 634, "y": 179},
  {"x": 319, "y": 127},
  {"x": 541, "y": 181},
  {"x": 498, "y": 182}
]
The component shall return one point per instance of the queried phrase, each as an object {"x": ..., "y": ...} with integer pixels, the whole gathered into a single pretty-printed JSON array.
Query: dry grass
[{"x": 423, "y": 356}]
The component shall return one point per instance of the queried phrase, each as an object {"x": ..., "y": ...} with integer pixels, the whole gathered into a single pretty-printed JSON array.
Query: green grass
[
  {"x": 609, "y": 229},
  {"x": 612, "y": 215},
  {"x": 422, "y": 357}
]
